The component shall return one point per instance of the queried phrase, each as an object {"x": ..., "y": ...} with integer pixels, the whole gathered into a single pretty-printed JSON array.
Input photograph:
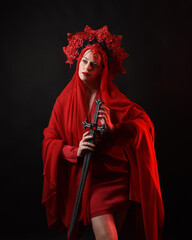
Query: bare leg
[{"x": 104, "y": 227}]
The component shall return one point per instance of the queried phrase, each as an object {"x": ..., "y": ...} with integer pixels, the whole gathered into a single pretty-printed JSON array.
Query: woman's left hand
[{"x": 104, "y": 116}]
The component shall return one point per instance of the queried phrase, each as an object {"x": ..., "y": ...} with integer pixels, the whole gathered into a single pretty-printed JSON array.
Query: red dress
[
  {"x": 109, "y": 179},
  {"x": 123, "y": 167}
]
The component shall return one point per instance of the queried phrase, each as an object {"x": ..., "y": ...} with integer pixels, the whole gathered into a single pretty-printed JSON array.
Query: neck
[{"x": 91, "y": 87}]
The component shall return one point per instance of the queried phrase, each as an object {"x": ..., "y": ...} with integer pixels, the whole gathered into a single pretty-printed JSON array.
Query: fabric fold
[{"x": 132, "y": 141}]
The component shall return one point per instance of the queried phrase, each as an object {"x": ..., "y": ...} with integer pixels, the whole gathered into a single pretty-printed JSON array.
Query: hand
[
  {"x": 104, "y": 116},
  {"x": 85, "y": 145}
]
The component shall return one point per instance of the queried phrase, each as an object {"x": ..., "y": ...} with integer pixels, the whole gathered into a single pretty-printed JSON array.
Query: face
[{"x": 90, "y": 66}]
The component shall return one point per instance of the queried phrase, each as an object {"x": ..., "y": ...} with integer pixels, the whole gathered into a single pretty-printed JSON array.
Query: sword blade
[
  {"x": 85, "y": 167},
  {"x": 84, "y": 172}
]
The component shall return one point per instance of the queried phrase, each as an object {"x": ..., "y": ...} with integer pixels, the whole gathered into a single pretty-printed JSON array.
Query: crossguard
[{"x": 93, "y": 126}]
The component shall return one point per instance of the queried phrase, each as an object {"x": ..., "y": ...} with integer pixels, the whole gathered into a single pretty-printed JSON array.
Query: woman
[{"x": 123, "y": 174}]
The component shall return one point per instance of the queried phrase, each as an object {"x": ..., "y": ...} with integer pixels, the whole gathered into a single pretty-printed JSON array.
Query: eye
[
  {"x": 93, "y": 64},
  {"x": 84, "y": 61}
]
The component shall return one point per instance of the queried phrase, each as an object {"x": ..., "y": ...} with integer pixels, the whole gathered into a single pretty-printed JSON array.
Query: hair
[{"x": 96, "y": 48}]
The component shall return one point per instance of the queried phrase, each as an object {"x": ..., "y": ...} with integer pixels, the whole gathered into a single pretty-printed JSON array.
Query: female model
[{"x": 123, "y": 170}]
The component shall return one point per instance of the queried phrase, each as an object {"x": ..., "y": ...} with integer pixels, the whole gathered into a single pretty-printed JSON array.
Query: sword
[{"x": 93, "y": 129}]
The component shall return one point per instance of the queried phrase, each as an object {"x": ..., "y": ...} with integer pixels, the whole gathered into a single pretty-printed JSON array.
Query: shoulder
[
  {"x": 65, "y": 94},
  {"x": 62, "y": 100}
]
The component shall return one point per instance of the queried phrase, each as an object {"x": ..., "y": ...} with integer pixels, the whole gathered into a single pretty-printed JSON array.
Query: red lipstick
[{"x": 85, "y": 74}]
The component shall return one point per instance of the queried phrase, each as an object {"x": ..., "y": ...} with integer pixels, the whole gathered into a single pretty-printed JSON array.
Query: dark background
[{"x": 156, "y": 34}]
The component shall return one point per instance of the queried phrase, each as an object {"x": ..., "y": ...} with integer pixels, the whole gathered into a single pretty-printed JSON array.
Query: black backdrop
[{"x": 157, "y": 35}]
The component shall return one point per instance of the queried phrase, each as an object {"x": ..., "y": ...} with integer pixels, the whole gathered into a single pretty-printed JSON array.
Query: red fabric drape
[{"x": 133, "y": 139}]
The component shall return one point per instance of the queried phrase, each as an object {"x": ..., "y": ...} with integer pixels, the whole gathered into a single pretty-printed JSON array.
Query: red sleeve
[{"x": 69, "y": 153}]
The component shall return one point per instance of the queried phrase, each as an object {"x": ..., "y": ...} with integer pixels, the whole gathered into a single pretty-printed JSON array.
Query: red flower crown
[{"x": 110, "y": 43}]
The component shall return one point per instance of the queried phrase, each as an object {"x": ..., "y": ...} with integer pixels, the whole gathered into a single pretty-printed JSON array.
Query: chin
[{"x": 82, "y": 77}]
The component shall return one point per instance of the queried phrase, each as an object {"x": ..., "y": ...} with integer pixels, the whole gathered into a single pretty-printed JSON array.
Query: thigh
[{"x": 104, "y": 226}]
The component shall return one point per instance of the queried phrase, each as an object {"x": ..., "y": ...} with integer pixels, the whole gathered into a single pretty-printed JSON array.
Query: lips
[{"x": 85, "y": 74}]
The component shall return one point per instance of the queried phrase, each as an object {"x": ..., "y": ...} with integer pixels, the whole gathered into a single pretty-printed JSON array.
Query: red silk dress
[
  {"x": 123, "y": 167},
  {"x": 109, "y": 179}
]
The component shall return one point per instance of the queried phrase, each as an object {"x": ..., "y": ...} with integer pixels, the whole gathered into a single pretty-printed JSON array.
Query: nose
[{"x": 89, "y": 67}]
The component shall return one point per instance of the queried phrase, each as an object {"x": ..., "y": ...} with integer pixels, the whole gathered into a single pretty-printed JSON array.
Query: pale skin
[{"x": 90, "y": 69}]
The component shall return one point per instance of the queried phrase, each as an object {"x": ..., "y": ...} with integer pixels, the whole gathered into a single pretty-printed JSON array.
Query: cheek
[
  {"x": 80, "y": 70},
  {"x": 97, "y": 71},
  {"x": 80, "y": 67}
]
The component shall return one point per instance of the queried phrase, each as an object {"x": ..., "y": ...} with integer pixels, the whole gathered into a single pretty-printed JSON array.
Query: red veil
[{"x": 132, "y": 140}]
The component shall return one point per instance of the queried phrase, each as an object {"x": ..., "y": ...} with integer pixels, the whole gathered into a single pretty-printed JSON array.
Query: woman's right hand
[{"x": 85, "y": 145}]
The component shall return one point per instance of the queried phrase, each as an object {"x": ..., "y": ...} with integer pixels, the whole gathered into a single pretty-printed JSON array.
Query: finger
[
  {"x": 102, "y": 112},
  {"x": 86, "y": 133},
  {"x": 89, "y": 144},
  {"x": 88, "y": 137},
  {"x": 102, "y": 116},
  {"x": 104, "y": 107}
]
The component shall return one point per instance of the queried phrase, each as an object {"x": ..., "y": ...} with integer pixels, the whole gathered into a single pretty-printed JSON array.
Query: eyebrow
[{"x": 92, "y": 61}]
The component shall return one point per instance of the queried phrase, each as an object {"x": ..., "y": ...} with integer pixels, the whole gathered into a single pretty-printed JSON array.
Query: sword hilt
[{"x": 93, "y": 126}]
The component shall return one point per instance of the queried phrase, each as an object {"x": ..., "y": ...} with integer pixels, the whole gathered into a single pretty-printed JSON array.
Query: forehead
[{"x": 92, "y": 57}]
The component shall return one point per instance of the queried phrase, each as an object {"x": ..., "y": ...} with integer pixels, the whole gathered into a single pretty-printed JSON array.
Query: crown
[{"x": 111, "y": 44}]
